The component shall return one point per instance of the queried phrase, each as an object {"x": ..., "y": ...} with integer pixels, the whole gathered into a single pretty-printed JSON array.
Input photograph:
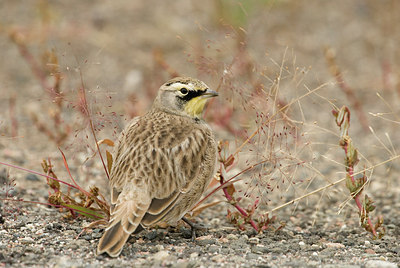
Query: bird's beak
[{"x": 209, "y": 94}]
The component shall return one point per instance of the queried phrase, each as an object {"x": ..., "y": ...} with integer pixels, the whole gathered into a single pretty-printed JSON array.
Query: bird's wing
[
  {"x": 121, "y": 149},
  {"x": 187, "y": 157},
  {"x": 166, "y": 160}
]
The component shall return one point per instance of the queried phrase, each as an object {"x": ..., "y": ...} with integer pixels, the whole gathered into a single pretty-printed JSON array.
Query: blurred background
[{"x": 280, "y": 66}]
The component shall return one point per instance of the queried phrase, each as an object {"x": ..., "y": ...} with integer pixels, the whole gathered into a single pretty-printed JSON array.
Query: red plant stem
[
  {"x": 48, "y": 174},
  {"x": 234, "y": 203},
  {"x": 350, "y": 169},
  {"x": 372, "y": 227},
  {"x": 357, "y": 196},
  {"x": 241, "y": 210},
  {"x": 39, "y": 174},
  {"x": 87, "y": 112},
  {"x": 70, "y": 175},
  {"x": 350, "y": 172}
]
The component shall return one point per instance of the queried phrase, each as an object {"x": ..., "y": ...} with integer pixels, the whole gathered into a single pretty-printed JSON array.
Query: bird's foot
[{"x": 193, "y": 227}]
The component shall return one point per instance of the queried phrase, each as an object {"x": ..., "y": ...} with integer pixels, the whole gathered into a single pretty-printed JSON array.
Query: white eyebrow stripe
[{"x": 178, "y": 85}]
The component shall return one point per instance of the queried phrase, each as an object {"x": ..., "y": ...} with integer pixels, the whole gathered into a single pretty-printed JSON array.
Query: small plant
[
  {"x": 356, "y": 185},
  {"x": 241, "y": 216},
  {"x": 8, "y": 195},
  {"x": 49, "y": 76},
  {"x": 90, "y": 203}
]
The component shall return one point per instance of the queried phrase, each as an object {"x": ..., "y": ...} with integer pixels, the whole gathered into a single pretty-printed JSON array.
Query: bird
[{"x": 163, "y": 162}]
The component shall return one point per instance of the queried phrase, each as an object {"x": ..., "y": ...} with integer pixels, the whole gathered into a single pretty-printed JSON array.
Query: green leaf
[{"x": 87, "y": 212}]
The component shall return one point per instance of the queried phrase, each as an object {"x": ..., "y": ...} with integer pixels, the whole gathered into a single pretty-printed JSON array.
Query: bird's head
[{"x": 183, "y": 96}]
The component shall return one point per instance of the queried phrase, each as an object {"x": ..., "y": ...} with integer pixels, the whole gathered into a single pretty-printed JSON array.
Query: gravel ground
[{"x": 40, "y": 237}]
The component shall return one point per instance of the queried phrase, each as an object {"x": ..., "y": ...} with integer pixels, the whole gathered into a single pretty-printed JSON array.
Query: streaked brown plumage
[{"x": 163, "y": 163}]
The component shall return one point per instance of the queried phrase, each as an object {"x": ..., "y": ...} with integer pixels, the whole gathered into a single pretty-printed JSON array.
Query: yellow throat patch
[{"x": 196, "y": 106}]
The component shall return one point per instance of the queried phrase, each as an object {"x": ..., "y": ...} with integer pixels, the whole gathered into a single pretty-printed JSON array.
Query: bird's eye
[{"x": 184, "y": 91}]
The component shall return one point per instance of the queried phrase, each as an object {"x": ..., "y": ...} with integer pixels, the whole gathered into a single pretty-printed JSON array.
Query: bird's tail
[
  {"x": 125, "y": 219},
  {"x": 113, "y": 240}
]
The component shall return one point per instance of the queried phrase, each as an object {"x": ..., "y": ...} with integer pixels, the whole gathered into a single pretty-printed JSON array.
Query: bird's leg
[{"x": 192, "y": 226}]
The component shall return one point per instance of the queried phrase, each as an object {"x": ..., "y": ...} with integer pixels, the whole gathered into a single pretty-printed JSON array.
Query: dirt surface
[
  {"x": 263, "y": 57},
  {"x": 41, "y": 238}
]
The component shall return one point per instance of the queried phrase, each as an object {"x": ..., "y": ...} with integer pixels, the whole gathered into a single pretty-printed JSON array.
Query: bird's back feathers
[{"x": 153, "y": 173}]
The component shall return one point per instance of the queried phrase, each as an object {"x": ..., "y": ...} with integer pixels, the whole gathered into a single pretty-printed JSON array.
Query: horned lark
[{"x": 163, "y": 163}]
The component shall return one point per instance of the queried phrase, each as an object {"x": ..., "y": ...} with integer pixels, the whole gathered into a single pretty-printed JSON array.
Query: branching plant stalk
[
  {"x": 234, "y": 202},
  {"x": 70, "y": 175},
  {"x": 86, "y": 111},
  {"x": 59, "y": 199},
  {"x": 356, "y": 185}
]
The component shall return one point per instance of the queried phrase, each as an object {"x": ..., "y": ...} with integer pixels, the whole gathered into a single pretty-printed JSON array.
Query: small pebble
[
  {"x": 159, "y": 247},
  {"x": 161, "y": 255},
  {"x": 334, "y": 245},
  {"x": 223, "y": 240},
  {"x": 204, "y": 237},
  {"x": 69, "y": 233},
  {"x": 27, "y": 240},
  {"x": 370, "y": 251},
  {"x": 194, "y": 255},
  {"x": 218, "y": 259},
  {"x": 244, "y": 237},
  {"x": 254, "y": 240},
  {"x": 259, "y": 249},
  {"x": 206, "y": 242},
  {"x": 232, "y": 237},
  {"x": 213, "y": 249}
]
